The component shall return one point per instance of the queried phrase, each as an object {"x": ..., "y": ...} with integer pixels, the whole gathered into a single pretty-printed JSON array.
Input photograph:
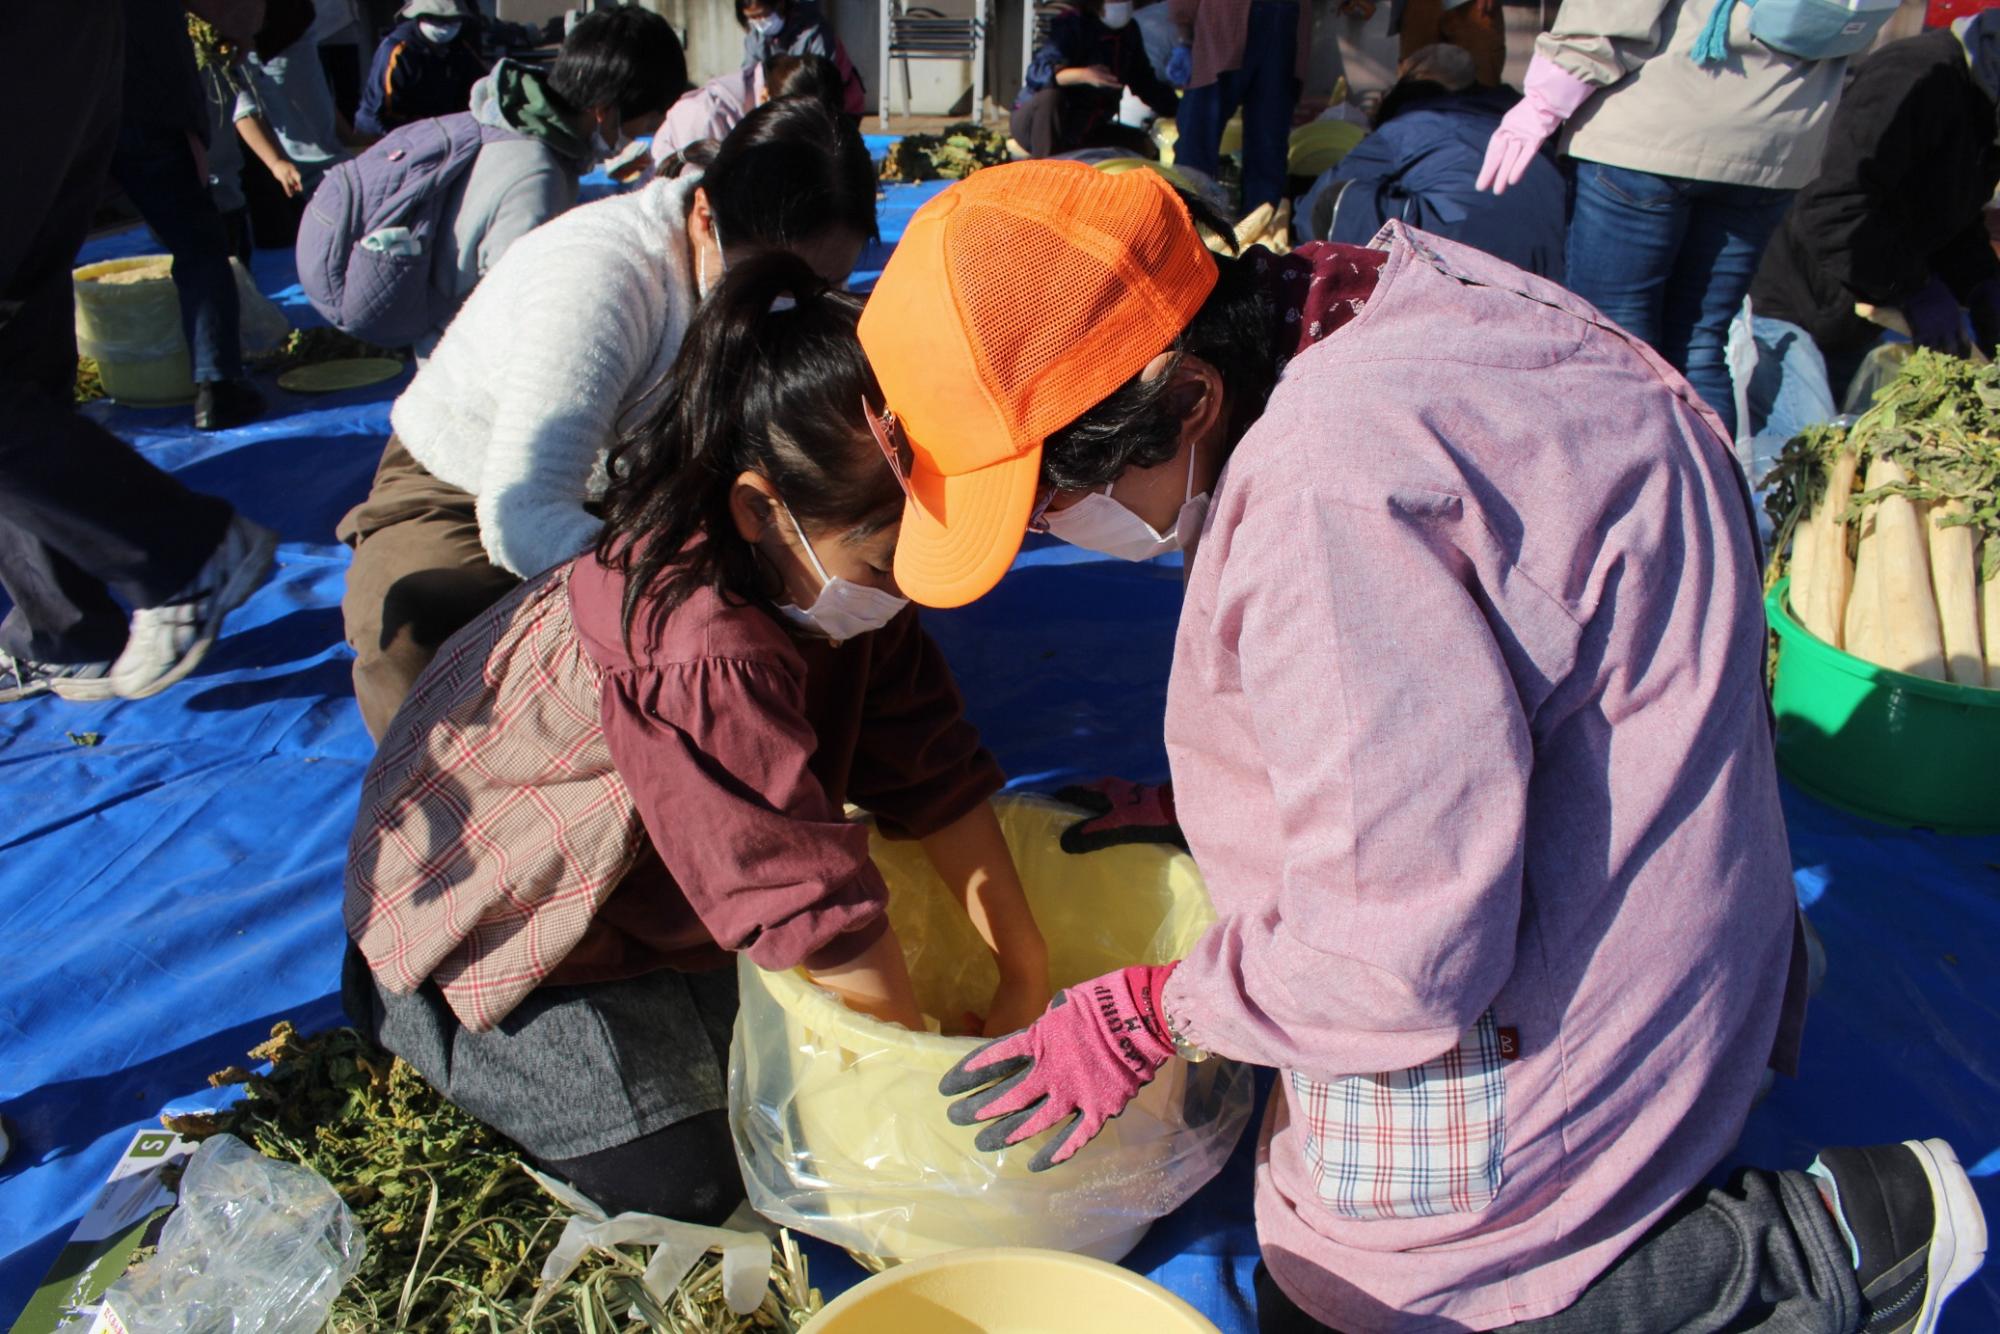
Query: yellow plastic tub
[
  {"x": 128, "y": 319},
  {"x": 838, "y": 1122},
  {"x": 1001, "y": 1291}
]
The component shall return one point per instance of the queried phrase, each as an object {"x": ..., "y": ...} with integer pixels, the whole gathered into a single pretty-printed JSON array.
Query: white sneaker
[
  {"x": 21, "y": 678},
  {"x": 168, "y": 641}
]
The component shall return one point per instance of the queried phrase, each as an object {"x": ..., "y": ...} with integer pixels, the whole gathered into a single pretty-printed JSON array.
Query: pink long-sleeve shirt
[{"x": 1468, "y": 734}]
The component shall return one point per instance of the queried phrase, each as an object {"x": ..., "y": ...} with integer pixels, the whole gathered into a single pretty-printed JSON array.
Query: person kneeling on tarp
[
  {"x": 1468, "y": 735},
  {"x": 637, "y": 763}
]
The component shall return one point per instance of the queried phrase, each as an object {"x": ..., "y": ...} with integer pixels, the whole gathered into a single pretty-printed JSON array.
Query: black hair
[
  {"x": 790, "y": 171},
  {"x": 626, "y": 58},
  {"x": 806, "y": 76},
  {"x": 777, "y": 392},
  {"x": 1138, "y": 424}
]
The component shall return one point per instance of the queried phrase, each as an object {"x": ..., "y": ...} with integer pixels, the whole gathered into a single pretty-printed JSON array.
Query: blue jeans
[
  {"x": 1670, "y": 260},
  {"x": 155, "y": 167},
  {"x": 1789, "y": 390},
  {"x": 1265, "y": 89}
]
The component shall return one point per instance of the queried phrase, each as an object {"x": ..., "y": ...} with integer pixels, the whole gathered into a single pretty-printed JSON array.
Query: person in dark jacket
[
  {"x": 1896, "y": 216},
  {"x": 1070, "y": 94},
  {"x": 798, "y": 28},
  {"x": 425, "y": 67},
  {"x": 1421, "y": 163}
]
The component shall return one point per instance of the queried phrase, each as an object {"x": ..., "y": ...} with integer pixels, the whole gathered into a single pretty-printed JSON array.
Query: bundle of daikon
[{"x": 1894, "y": 524}]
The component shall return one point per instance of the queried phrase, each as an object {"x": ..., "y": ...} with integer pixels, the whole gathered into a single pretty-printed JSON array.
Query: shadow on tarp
[{"x": 168, "y": 891}]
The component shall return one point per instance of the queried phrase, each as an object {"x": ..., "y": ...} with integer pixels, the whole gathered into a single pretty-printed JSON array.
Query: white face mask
[
  {"x": 605, "y": 151},
  {"x": 702, "y": 286},
  {"x": 438, "y": 32},
  {"x": 1099, "y": 523},
  {"x": 1117, "y": 13},
  {"x": 768, "y": 25},
  {"x": 843, "y": 609}
]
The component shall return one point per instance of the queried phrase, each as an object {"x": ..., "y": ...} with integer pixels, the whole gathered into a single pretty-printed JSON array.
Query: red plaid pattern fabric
[
  {"x": 1411, "y": 1143},
  {"x": 493, "y": 822}
]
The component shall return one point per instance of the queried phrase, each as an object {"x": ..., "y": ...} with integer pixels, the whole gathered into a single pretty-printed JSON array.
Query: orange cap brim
[{"x": 960, "y": 534}]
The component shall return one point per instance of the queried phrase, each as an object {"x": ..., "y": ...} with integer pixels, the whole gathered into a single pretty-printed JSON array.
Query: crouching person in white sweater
[{"x": 498, "y": 445}]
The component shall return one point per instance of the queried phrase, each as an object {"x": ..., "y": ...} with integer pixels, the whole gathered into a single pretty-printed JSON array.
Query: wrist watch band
[{"x": 1183, "y": 1047}]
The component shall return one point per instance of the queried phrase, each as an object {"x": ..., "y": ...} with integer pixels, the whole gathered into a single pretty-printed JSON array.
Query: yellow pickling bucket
[
  {"x": 1008, "y": 1292},
  {"x": 128, "y": 319},
  {"x": 839, "y": 1125}
]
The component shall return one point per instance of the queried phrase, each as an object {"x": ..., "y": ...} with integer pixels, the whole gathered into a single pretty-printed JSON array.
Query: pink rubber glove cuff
[
  {"x": 1083, "y": 1061},
  {"x": 1121, "y": 812},
  {"x": 1552, "y": 95}
]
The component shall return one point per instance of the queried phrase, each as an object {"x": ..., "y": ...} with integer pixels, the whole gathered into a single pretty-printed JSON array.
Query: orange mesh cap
[{"x": 1016, "y": 301}]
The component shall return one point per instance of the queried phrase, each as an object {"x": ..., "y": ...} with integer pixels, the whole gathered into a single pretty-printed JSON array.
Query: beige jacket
[{"x": 1759, "y": 118}]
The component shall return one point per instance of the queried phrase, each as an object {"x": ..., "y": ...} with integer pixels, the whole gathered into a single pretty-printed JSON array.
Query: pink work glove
[
  {"x": 1121, "y": 812},
  {"x": 1087, "y": 1057},
  {"x": 1552, "y": 96}
]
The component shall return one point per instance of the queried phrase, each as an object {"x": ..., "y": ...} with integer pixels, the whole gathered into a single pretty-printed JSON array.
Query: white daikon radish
[
  {"x": 1804, "y": 570},
  {"x": 1989, "y": 611},
  {"x": 1955, "y": 581},
  {"x": 1829, "y": 576},
  {"x": 1909, "y": 637},
  {"x": 1861, "y": 624}
]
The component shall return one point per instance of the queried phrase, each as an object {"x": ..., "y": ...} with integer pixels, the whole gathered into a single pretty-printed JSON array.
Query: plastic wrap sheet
[
  {"x": 167, "y": 894},
  {"x": 838, "y": 1121}
]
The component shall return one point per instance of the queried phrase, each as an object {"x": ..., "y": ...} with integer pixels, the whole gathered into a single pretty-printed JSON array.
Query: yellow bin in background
[
  {"x": 840, "y": 1127},
  {"x": 1008, "y": 1292},
  {"x": 128, "y": 319}
]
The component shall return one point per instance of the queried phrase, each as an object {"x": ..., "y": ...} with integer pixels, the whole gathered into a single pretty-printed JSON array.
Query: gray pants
[{"x": 1761, "y": 1254}]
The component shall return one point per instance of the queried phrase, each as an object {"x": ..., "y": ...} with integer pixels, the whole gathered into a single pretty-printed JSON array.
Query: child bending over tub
[{"x": 637, "y": 763}]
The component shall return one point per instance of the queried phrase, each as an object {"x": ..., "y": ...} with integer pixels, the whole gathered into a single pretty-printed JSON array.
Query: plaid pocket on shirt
[{"x": 1410, "y": 1143}]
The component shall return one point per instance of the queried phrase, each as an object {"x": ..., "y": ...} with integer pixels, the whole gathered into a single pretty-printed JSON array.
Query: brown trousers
[
  {"x": 1477, "y": 26},
  {"x": 419, "y": 575}
]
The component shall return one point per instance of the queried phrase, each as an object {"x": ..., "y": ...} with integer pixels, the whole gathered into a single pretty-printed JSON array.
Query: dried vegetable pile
[
  {"x": 953, "y": 155},
  {"x": 457, "y": 1231},
  {"x": 1894, "y": 524}
]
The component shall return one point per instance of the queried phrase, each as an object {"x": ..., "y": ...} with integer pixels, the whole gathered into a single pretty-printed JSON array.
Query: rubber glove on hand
[
  {"x": 1120, "y": 813},
  {"x": 1552, "y": 95},
  {"x": 1086, "y": 1058},
  {"x": 1983, "y": 304},
  {"x": 1935, "y": 318},
  {"x": 1180, "y": 65}
]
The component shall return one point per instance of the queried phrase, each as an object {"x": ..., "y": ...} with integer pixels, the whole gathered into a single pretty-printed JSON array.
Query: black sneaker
[
  {"x": 1914, "y": 1227},
  {"x": 221, "y": 404}
]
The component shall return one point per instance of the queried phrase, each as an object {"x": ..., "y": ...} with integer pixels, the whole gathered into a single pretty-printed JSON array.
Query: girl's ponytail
[{"x": 769, "y": 380}]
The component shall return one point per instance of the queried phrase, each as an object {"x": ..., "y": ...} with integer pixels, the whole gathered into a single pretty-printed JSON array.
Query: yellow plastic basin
[
  {"x": 838, "y": 1122},
  {"x": 1008, "y": 1291},
  {"x": 128, "y": 319}
]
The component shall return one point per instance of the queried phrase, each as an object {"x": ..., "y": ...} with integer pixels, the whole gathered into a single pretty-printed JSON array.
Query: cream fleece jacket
[{"x": 564, "y": 345}]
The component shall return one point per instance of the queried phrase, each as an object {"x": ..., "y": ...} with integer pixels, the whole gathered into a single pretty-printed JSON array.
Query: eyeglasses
[{"x": 895, "y": 445}]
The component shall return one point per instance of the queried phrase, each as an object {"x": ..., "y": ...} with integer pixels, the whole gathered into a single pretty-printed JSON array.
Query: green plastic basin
[{"x": 1897, "y": 748}]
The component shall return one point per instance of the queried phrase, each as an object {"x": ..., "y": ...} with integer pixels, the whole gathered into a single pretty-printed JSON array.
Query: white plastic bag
[{"x": 255, "y": 1246}]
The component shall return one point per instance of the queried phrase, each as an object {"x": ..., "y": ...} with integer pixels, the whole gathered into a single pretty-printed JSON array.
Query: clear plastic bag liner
[
  {"x": 839, "y": 1125},
  {"x": 255, "y": 1246},
  {"x": 127, "y": 321},
  {"x": 678, "y": 1247}
]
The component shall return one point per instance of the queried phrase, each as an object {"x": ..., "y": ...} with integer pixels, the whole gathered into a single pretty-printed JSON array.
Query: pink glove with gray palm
[
  {"x": 1086, "y": 1058},
  {"x": 1552, "y": 95}
]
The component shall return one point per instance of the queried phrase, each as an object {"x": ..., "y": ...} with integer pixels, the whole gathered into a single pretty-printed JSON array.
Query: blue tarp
[{"x": 169, "y": 892}]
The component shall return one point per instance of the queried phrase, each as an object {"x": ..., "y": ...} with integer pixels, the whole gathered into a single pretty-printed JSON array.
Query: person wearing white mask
[
  {"x": 798, "y": 28},
  {"x": 681, "y": 715},
  {"x": 425, "y": 67},
  {"x": 496, "y": 461},
  {"x": 1469, "y": 737},
  {"x": 1070, "y": 97}
]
